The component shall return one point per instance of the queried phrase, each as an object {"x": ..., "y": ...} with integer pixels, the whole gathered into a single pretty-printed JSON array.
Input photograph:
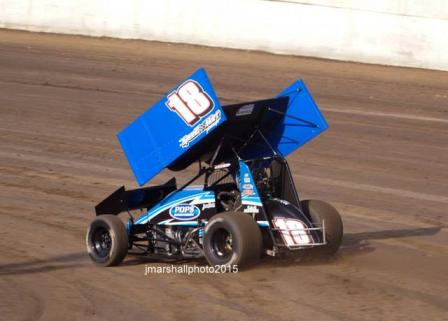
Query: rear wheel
[
  {"x": 232, "y": 239},
  {"x": 318, "y": 212},
  {"x": 107, "y": 240}
]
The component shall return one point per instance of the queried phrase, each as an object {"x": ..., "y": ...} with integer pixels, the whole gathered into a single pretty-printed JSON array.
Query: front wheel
[
  {"x": 107, "y": 240},
  {"x": 232, "y": 239},
  {"x": 318, "y": 212}
]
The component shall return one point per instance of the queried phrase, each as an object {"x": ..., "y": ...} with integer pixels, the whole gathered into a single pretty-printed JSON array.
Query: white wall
[
  {"x": 401, "y": 32},
  {"x": 437, "y": 9}
]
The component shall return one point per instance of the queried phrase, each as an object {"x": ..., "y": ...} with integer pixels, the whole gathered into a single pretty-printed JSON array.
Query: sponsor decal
[
  {"x": 245, "y": 110},
  {"x": 248, "y": 192},
  {"x": 205, "y": 126},
  {"x": 251, "y": 209},
  {"x": 184, "y": 212},
  {"x": 246, "y": 180},
  {"x": 208, "y": 205},
  {"x": 221, "y": 166},
  {"x": 248, "y": 186}
]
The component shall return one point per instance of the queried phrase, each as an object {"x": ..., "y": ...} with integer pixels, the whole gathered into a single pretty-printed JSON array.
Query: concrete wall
[{"x": 401, "y": 32}]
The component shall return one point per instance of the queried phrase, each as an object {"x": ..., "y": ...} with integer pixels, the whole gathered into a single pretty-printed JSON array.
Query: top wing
[
  {"x": 189, "y": 123},
  {"x": 171, "y": 127}
]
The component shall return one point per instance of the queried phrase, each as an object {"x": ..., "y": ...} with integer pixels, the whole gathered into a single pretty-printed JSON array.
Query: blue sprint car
[{"x": 241, "y": 204}]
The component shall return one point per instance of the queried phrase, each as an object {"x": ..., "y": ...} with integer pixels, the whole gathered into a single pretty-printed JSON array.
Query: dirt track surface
[{"x": 383, "y": 164}]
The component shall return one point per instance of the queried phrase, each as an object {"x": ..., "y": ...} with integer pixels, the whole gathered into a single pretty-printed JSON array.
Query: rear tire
[
  {"x": 319, "y": 211},
  {"x": 107, "y": 240},
  {"x": 232, "y": 239}
]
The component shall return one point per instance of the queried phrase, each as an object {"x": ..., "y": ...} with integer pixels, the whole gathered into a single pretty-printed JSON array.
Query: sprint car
[{"x": 241, "y": 204}]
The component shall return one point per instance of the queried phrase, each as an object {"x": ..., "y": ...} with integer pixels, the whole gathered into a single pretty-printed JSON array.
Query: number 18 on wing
[
  {"x": 190, "y": 101},
  {"x": 172, "y": 126}
]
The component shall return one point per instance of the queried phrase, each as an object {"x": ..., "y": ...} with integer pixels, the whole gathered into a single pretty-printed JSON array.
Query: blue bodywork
[
  {"x": 250, "y": 196},
  {"x": 159, "y": 136},
  {"x": 190, "y": 201},
  {"x": 303, "y": 123},
  {"x": 247, "y": 186},
  {"x": 192, "y": 196}
]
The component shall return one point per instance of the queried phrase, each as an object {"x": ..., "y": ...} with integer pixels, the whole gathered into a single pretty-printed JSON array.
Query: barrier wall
[{"x": 402, "y": 32}]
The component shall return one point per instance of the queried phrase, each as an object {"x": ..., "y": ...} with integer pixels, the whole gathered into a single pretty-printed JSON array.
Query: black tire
[
  {"x": 107, "y": 240},
  {"x": 245, "y": 240},
  {"x": 319, "y": 211}
]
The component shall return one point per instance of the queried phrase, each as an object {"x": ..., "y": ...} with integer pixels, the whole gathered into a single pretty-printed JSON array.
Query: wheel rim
[
  {"x": 101, "y": 242},
  {"x": 221, "y": 242}
]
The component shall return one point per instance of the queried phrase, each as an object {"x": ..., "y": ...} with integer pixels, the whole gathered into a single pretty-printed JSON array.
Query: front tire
[
  {"x": 107, "y": 240},
  {"x": 319, "y": 211},
  {"x": 232, "y": 239}
]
